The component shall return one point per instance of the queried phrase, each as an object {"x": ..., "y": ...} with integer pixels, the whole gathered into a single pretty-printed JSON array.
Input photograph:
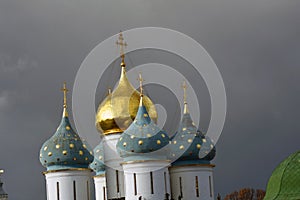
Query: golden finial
[
  {"x": 122, "y": 44},
  {"x": 65, "y": 90},
  {"x": 141, "y": 84},
  {"x": 184, "y": 86}
]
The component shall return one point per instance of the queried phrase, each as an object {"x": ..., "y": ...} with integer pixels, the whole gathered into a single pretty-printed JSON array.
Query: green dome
[{"x": 284, "y": 183}]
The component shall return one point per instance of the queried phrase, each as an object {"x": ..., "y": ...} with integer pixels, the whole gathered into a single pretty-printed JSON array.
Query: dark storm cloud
[{"x": 254, "y": 43}]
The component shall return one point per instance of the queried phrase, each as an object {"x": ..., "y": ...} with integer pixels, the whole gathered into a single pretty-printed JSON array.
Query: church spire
[
  {"x": 125, "y": 102},
  {"x": 141, "y": 80},
  {"x": 65, "y": 90},
  {"x": 120, "y": 43},
  {"x": 141, "y": 88},
  {"x": 186, "y": 109}
]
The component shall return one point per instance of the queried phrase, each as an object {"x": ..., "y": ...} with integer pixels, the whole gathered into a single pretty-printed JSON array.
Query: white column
[
  {"x": 114, "y": 171},
  {"x": 100, "y": 187},
  {"x": 146, "y": 179},
  {"x": 192, "y": 181},
  {"x": 69, "y": 184}
]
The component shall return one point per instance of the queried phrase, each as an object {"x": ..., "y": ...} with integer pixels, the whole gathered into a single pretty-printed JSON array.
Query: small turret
[
  {"x": 193, "y": 151},
  {"x": 3, "y": 194},
  {"x": 144, "y": 147},
  {"x": 65, "y": 149},
  {"x": 66, "y": 157}
]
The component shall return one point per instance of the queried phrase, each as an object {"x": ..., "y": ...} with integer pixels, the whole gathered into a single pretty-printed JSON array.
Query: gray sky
[{"x": 254, "y": 43}]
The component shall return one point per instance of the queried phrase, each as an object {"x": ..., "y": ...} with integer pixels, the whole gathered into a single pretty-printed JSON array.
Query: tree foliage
[{"x": 246, "y": 194}]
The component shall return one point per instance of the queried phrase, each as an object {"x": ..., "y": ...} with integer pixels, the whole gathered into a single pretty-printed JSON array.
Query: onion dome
[
  {"x": 189, "y": 144},
  {"x": 208, "y": 150},
  {"x": 143, "y": 140},
  {"x": 65, "y": 149},
  {"x": 118, "y": 109},
  {"x": 98, "y": 164},
  {"x": 284, "y": 182}
]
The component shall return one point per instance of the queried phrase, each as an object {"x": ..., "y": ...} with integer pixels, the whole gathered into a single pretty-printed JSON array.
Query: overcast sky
[{"x": 255, "y": 45}]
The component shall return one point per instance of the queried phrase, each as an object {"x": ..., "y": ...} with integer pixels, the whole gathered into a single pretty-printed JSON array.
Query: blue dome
[
  {"x": 208, "y": 149},
  {"x": 65, "y": 149},
  {"x": 142, "y": 140},
  {"x": 189, "y": 145},
  {"x": 98, "y": 164}
]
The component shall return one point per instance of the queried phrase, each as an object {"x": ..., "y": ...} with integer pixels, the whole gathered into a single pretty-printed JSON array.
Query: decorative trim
[
  {"x": 99, "y": 176},
  {"x": 143, "y": 161},
  {"x": 63, "y": 170},
  {"x": 194, "y": 165},
  {"x": 113, "y": 132}
]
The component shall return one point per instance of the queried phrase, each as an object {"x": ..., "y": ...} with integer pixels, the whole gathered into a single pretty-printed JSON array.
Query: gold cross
[
  {"x": 65, "y": 90},
  {"x": 184, "y": 86},
  {"x": 141, "y": 83},
  {"x": 122, "y": 45}
]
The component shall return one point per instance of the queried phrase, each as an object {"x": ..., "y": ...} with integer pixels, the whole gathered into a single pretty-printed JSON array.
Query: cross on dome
[
  {"x": 65, "y": 90},
  {"x": 184, "y": 86},
  {"x": 141, "y": 80},
  {"x": 120, "y": 43}
]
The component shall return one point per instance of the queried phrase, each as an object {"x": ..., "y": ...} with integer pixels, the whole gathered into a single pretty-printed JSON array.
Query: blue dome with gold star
[
  {"x": 187, "y": 142},
  {"x": 65, "y": 149},
  {"x": 208, "y": 149},
  {"x": 143, "y": 140},
  {"x": 189, "y": 145},
  {"x": 98, "y": 164}
]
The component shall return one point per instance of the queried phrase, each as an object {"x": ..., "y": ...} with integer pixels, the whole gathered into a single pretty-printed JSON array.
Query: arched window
[
  {"x": 151, "y": 183},
  {"x": 117, "y": 181},
  {"x": 134, "y": 180},
  {"x": 197, "y": 186},
  {"x": 57, "y": 190},
  {"x": 88, "y": 190},
  {"x": 74, "y": 190},
  {"x": 180, "y": 186},
  {"x": 210, "y": 186},
  {"x": 104, "y": 193}
]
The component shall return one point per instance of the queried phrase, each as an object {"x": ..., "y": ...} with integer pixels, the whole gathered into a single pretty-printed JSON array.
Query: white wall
[
  {"x": 100, "y": 187},
  {"x": 61, "y": 183},
  {"x": 143, "y": 180},
  {"x": 188, "y": 176},
  {"x": 113, "y": 162}
]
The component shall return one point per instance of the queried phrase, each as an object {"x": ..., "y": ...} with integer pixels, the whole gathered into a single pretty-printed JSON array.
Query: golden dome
[{"x": 119, "y": 108}]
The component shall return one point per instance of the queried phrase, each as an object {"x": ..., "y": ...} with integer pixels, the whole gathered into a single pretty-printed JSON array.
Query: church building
[{"x": 141, "y": 165}]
